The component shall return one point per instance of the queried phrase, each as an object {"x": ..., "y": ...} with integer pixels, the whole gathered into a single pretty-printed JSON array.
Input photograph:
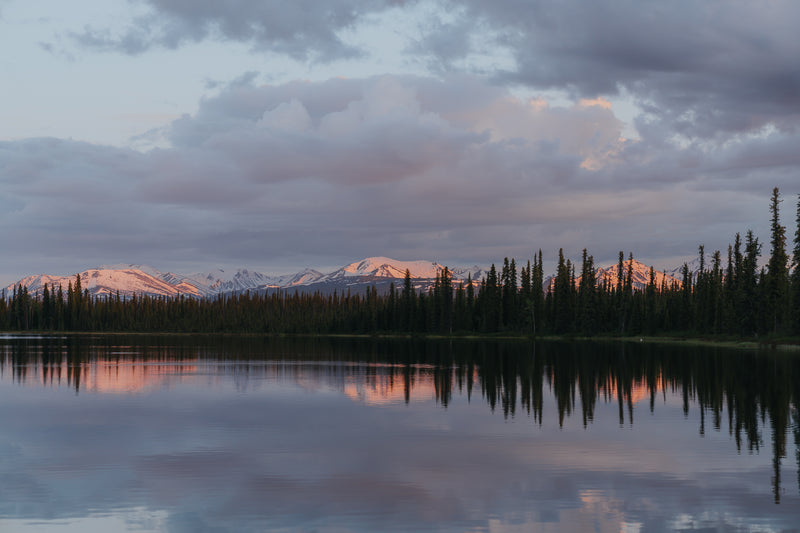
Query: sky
[{"x": 275, "y": 136}]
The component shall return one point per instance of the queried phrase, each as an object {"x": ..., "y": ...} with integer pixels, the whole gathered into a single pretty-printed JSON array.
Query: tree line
[{"x": 731, "y": 296}]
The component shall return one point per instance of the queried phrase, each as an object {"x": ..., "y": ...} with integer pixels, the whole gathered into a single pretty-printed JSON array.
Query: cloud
[
  {"x": 304, "y": 30},
  {"x": 280, "y": 177},
  {"x": 701, "y": 72},
  {"x": 706, "y": 70}
]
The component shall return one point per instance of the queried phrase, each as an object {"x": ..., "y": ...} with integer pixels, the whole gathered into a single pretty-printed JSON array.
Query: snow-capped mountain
[
  {"x": 104, "y": 281},
  {"x": 383, "y": 267},
  {"x": 208, "y": 283},
  {"x": 242, "y": 280},
  {"x": 129, "y": 279},
  {"x": 694, "y": 269},
  {"x": 640, "y": 276},
  {"x": 381, "y": 272},
  {"x": 307, "y": 276}
]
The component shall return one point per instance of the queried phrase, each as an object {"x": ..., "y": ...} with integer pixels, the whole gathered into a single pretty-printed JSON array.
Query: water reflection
[{"x": 752, "y": 397}]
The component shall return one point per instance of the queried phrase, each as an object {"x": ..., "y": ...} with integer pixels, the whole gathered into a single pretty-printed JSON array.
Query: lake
[{"x": 206, "y": 434}]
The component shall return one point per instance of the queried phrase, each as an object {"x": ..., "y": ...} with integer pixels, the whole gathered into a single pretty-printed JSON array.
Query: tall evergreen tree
[
  {"x": 508, "y": 280},
  {"x": 716, "y": 293},
  {"x": 687, "y": 302},
  {"x": 537, "y": 289},
  {"x": 47, "y": 309},
  {"x": 460, "y": 309},
  {"x": 777, "y": 276},
  {"x": 651, "y": 290},
  {"x": 619, "y": 295},
  {"x": 701, "y": 294},
  {"x": 562, "y": 295},
  {"x": 446, "y": 301},
  {"x": 470, "y": 312},
  {"x": 747, "y": 300},
  {"x": 408, "y": 299},
  {"x": 491, "y": 302},
  {"x": 795, "y": 280},
  {"x": 587, "y": 295}
]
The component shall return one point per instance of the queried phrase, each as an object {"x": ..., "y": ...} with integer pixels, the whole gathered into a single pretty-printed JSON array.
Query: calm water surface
[{"x": 200, "y": 434}]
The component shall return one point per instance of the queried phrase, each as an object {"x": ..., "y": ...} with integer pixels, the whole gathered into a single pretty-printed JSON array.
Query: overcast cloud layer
[{"x": 461, "y": 132}]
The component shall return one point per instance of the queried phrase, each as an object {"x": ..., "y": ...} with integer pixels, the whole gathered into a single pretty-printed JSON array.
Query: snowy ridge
[
  {"x": 208, "y": 283},
  {"x": 126, "y": 282},
  {"x": 694, "y": 269},
  {"x": 306, "y": 276},
  {"x": 130, "y": 279},
  {"x": 640, "y": 276},
  {"x": 242, "y": 280},
  {"x": 384, "y": 267}
]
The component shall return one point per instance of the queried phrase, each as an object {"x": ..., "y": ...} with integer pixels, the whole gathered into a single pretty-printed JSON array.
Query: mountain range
[
  {"x": 130, "y": 279},
  {"x": 380, "y": 272}
]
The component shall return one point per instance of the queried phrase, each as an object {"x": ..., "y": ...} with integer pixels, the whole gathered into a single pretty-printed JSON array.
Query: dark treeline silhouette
[
  {"x": 732, "y": 296},
  {"x": 753, "y": 396}
]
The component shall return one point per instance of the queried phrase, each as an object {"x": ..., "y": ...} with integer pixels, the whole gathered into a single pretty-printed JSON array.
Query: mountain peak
[
  {"x": 385, "y": 267},
  {"x": 108, "y": 281},
  {"x": 640, "y": 274}
]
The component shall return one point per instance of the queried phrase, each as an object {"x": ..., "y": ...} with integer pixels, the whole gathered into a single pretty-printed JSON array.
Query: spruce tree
[
  {"x": 446, "y": 301},
  {"x": 537, "y": 289},
  {"x": 620, "y": 293},
  {"x": 650, "y": 302},
  {"x": 562, "y": 295},
  {"x": 47, "y": 311},
  {"x": 469, "y": 318},
  {"x": 587, "y": 291},
  {"x": 460, "y": 308},
  {"x": 795, "y": 279},
  {"x": 508, "y": 281},
  {"x": 748, "y": 294},
  {"x": 701, "y": 293},
  {"x": 687, "y": 303},
  {"x": 491, "y": 302},
  {"x": 716, "y": 293},
  {"x": 408, "y": 303},
  {"x": 777, "y": 276}
]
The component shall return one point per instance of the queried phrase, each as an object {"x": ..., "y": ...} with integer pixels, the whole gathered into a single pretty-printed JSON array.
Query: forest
[{"x": 738, "y": 296}]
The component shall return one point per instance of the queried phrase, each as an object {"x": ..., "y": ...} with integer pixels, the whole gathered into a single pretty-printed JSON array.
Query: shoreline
[{"x": 783, "y": 344}]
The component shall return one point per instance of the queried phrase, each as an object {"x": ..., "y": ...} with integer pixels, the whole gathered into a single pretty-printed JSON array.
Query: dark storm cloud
[{"x": 302, "y": 29}]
